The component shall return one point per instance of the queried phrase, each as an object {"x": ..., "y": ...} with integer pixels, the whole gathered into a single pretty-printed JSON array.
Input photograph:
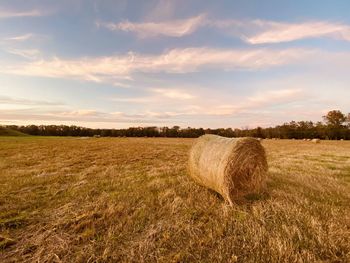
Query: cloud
[
  {"x": 174, "y": 94},
  {"x": 174, "y": 28},
  {"x": 255, "y": 102},
  {"x": 13, "y": 14},
  {"x": 275, "y": 96},
  {"x": 195, "y": 59},
  {"x": 199, "y": 110},
  {"x": 269, "y": 32},
  {"x": 259, "y": 101},
  {"x": 40, "y": 116},
  {"x": 90, "y": 69},
  {"x": 251, "y": 31},
  {"x": 210, "y": 104},
  {"x": 134, "y": 100},
  {"x": 20, "y": 38},
  {"x": 274, "y": 32},
  {"x": 108, "y": 69},
  {"x": 119, "y": 84},
  {"x": 25, "y": 53},
  {"x": 157, "y": 96},
  {"x": 79, "y": 113},
  {"x": 21, "y": 101}
]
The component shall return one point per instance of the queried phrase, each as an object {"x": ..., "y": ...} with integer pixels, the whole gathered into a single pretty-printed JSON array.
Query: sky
[{"x": 211, "y": 64}]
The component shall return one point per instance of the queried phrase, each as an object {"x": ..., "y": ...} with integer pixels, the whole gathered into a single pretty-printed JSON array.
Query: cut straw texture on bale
[
  {"x": 233, "y": 167},
  {"x": 316, "y": 140}
]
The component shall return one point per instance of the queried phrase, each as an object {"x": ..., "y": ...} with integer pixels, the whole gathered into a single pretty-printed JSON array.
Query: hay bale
[
  {"x": 316, "y": 140},
  {"x": 233, "y": 167}
]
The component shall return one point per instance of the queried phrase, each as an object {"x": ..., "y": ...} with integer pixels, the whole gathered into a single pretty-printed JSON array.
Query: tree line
[{"x": 335, "y": 126}]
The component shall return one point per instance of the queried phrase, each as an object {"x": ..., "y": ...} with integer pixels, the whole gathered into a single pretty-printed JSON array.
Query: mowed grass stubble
[{"x": 131, "y": 200}]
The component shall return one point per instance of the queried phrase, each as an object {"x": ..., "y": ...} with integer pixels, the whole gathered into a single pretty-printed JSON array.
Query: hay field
[{"x": 131, "y": 200}]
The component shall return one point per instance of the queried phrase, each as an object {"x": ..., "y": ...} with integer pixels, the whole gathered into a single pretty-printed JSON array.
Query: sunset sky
[{"x": 115, "y": 64}]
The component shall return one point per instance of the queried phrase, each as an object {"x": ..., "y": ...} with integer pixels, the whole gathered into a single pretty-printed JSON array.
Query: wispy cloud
[
  {"x": 79, "y": 113},
  {"x": 158, "y": 96},
  {"x": 174, "y": 28},
  {"x": 274, "y": 32},
  {"x": 275, "y": 96},
  {"x": 21, "y": 101},
  {"x": 204, "y": 108},
  {"x": 38, "y": 115},
  {"x": 109, "y": 69},
  {"x": 254, "y": 102},
  {"x": 25, "y": 53},
  {"x": 134, "y": 99},
  {"x": 13, "y": 14},
  {"x": 120, "y": 84},
  {"x": 195, "y": 59},
  {"x": 174, "y": 94},
  {"x": 20, "y": 38},
  {"x": 268, "y": 32},
  {"x": 213, "y": 104},
  {"x": 251, "y": 31}
]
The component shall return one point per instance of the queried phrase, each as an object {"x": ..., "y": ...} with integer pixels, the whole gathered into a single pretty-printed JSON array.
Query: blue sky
[{"x": 115, "y": 64}]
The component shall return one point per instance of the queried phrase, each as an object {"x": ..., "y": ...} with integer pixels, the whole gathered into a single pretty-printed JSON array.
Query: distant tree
[
  {"x": 337, "y": 127},
  {"x": 335, "y": 118},
  {"x": 259, "y": 132},
  {"x": 321, "y": 130}
]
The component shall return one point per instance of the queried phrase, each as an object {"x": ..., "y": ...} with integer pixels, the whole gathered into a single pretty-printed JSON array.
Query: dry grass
[{"x": 131, "y": 200}]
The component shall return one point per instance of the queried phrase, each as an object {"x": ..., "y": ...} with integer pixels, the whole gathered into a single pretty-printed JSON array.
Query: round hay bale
[
  {"x": 233, "y": 167},
  {"x": 316, "y": 140}
]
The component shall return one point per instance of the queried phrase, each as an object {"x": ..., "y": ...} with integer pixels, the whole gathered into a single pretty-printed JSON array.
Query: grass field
[
  {"x": 131, "y": 200},
  {"x": 8, "y": 132}
]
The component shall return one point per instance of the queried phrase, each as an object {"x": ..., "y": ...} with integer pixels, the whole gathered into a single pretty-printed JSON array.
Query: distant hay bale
[
  {"x": 316, "y": 140},
  {"x": 233, "y": 167}
]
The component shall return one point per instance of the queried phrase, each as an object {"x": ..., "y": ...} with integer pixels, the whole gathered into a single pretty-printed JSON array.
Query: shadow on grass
[{"x": 247, "y": 199}]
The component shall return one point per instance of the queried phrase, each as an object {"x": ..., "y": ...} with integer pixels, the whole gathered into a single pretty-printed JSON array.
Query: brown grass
[
  {"x": 131, "y": 200},
  {"x": 232, "y": 167}
]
